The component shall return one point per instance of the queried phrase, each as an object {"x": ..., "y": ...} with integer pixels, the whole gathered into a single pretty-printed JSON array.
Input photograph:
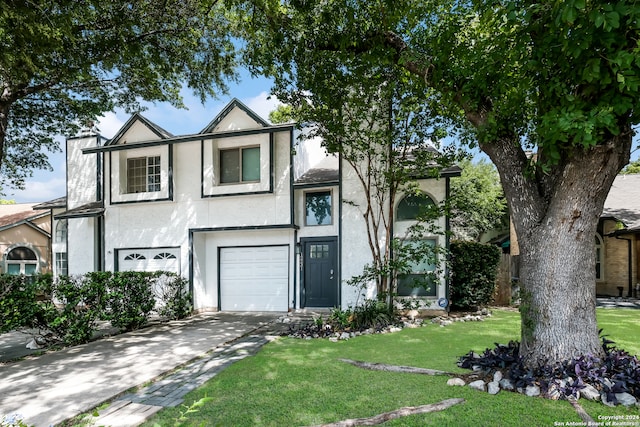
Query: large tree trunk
[{"x": 555, "y": 215}]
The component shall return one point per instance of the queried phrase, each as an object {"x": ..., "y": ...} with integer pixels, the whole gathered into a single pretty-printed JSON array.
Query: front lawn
[{"x": 293, "y": 382}]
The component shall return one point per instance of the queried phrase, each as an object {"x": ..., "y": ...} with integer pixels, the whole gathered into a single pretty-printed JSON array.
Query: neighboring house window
[
  {"x": 599, "y": 249},
  {"x": 413, "y": 205},
  {"x": 420, "y": 280},
  {"x": 22, "y": 260},
  {"x": 240, "y": 165},
  {"x": 61, "y": 231},
  {"x": 62, "y": 267},
  {"x": 143, "y": 174},
  {"x": 134, "y": 257},
  {"x": 318, "y": 208}
]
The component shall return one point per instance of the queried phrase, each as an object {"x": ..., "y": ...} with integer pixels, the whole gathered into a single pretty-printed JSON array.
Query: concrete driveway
[{"x": 56, "y": 386}]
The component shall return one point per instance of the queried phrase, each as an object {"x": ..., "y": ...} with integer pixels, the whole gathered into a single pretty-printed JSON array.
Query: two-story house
[{"x": 254, "y": 218}]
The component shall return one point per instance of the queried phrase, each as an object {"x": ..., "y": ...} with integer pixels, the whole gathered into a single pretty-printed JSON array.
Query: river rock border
[{"x": 494, "y": 384}]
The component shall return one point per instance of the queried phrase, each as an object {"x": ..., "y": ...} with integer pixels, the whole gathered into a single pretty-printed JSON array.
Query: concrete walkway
[{"x": 54, "y": 387}]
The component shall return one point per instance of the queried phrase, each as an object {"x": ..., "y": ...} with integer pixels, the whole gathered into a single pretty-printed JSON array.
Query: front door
[{"x": 320, "y": 273}]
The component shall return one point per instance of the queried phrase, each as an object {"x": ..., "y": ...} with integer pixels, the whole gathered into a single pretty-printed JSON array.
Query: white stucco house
[{"x": 253, "y": 218}]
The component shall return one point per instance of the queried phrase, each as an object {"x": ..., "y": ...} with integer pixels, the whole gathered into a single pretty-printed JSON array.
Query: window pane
[
  {"x": 251, "y": 164},
  {"x": 13, "y": 268},
  {"x": 153, "y": 173},
  {"x": 61, "y": 263},
  {"x": 420, "y": 280},
  {"x": 137, "y": 175},
  {"x": 318, "y": 208},
  {"x": 21, "y": 253},
  {"x": 29, "y": 269},
  {"x": 61, "y": 231},
  {"x": 229, "y": 166}
]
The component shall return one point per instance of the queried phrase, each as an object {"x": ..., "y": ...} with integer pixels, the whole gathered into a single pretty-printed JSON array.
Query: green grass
[{"x": 301, "y": 382}]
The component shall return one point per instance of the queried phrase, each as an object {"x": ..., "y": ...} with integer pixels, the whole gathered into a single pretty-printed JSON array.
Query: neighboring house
[
  {"x": 617, "y": 241},
  {"x": 25, "y": 239},
  {"x": 254, "y": 219}
]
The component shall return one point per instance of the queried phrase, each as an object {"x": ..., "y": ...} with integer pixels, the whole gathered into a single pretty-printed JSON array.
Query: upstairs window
[
  {"x": 143, "y": 174},
  {"x": 318, "y": 208},
  {"x": 240, "y": 165},
  {"x": 61, "y": 231},
  {"x": 412, "y": 206}
]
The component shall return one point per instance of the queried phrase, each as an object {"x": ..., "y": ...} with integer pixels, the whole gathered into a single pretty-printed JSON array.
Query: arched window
[
  {"x": 599, "y": 258},
  {"x": 61, "y": 231},
  {"x": 414, "y": 205},
  {"x": 21, "y": 260},
  {"x": 134, "y": 256}
]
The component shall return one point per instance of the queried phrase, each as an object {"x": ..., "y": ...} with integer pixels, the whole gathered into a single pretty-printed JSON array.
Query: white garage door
[
  {"x": 158, "y": 259},
  {"x": 254, "y": 278}
]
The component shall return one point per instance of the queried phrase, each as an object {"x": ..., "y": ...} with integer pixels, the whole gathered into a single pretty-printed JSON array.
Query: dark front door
[{"x": 320, "y": 273}]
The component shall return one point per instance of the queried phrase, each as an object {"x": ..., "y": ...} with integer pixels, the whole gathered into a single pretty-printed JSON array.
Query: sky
[{"x": 254, "y": 92}]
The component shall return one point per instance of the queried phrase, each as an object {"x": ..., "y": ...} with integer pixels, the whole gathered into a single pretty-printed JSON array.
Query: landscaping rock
[
  {"x": 493, "y": 387},
  {"x": 456, "y": 382},
  {"x": 506, "y": 384},
  {"x": 553, "y": 392},
  {"x": 589, "y": 392},
  {"x": 626, "y": 399},
  {"x": 497, "y": 376},
  {"x": 477, "y": 385},
  {"x": 532, "y": 391},
  {"x": 345, "y": 336}
]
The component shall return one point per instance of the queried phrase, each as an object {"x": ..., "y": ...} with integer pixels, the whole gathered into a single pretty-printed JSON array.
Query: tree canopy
[
  {"x": 477, "y": 201},
  {"x": 560, "y": 78},
  {"x": 63, "y": 64}
]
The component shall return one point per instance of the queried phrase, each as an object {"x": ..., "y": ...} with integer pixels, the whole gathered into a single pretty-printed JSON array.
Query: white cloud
[
  {"x": 41, "y": 190},
  {"x": 110, "y": 124},
  {"x": 262, "y": 104}
]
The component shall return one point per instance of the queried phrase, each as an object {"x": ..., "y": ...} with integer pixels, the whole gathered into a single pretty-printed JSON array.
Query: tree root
[
  {"x": 580, "y": 410},
  {"x": 394, "y": 368},
  {"x": 398, "y": 413}
]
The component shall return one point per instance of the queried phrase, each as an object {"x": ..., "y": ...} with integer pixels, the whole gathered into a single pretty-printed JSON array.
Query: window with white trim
[
  {"x": 62, "y": 266},
  {"x": 240, "y": 165},
  {"x": 21, "y": 260},
  {"x": 61, "y": 231},
  {"x": 599, "y": 256},
  {"x": 134, "y": 257},
  {"x": 143, "y": 174}
]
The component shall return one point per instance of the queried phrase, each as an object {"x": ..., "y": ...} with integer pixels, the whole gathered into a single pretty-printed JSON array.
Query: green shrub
[
  {"x": 23, "y": 301},
  {"x": 473, "y": 274},
  {"x": 130, "y": 299},
  {"x": 371, "y": 314},
  {"x": 173, "y": 300},
  {"x": 81, "y": 304}
]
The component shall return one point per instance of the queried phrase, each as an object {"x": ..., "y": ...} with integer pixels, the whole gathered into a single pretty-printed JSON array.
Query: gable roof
[
  {"x": 137, "y": 117},
  {"x": 19, "y": 214},
  {"x": 623, "y": 202},
  {"x": 235, "y": 103}
]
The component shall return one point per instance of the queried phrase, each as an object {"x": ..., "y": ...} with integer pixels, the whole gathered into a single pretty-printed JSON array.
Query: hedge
[{"x": 474, "y": 267}]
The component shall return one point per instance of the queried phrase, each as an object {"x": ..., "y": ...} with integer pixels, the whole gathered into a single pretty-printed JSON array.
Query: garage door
[
  {"x": 158, "y": 259},
  {"x": 254, "y": 278}
]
